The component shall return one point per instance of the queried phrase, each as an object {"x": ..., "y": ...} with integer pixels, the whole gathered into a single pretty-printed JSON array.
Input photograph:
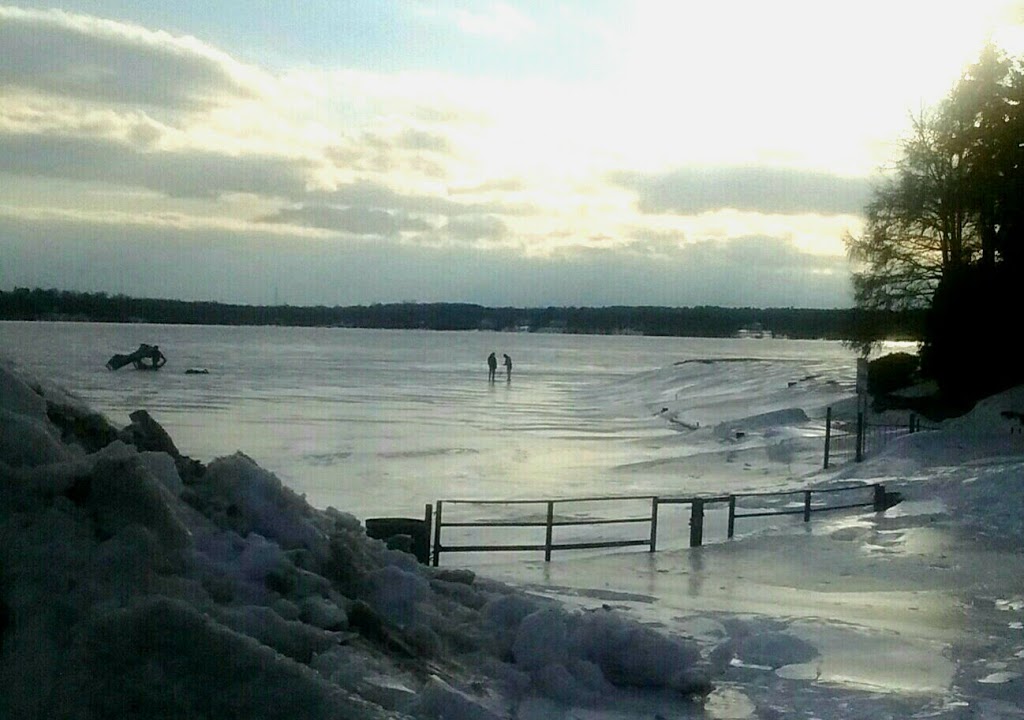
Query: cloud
[
  {"x": 766, "y": 190},
  {"x": 475, "y": 228},
  {"x": 247, "y": 265},
  {"x": 492, "y": 185},
  {"x": 94, "y": 100},
  {"x": 355, "y": 220},
  {"x": 415, "y": 139},
  {"x": 94, "y": 59},
  {"x": 194, "y": 174},
  {"x": 410, "y": 149},
  {"x": 370, "y": 193},
  {"x": 765, "y": 255},
  {"x": 754, "y": 271}
]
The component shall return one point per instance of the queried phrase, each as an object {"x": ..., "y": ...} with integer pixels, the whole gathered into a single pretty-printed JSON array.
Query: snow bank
[{"x": 135, "y": 582}]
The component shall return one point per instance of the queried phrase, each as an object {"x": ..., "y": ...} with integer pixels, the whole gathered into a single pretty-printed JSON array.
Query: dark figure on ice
[
  {"x": 156, "y": 359},
  {"x": 492, "y": 367},
  {"x": 508, "y": 368}
]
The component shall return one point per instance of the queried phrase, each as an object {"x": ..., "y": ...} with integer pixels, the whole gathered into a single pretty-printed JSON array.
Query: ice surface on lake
[
  {"x": 915, "y": 612},
  {"x": 384, "y": 422},
  {"x": 125, "y": 592}
]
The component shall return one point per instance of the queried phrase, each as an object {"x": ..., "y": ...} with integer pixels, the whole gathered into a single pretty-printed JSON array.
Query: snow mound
[
  {"x": 998, "y": 414},
  {"x": 762, "y": 421}
]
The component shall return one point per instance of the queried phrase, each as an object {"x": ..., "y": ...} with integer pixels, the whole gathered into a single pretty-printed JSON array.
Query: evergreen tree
[{"x": 944, "y": 231}]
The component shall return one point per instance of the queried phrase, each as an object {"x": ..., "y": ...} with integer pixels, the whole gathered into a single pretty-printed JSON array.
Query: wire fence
[{"x": 855, "y": 440}]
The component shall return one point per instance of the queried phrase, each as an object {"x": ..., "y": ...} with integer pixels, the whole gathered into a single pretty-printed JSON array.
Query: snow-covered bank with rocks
[{"x": 135, "y": 582}]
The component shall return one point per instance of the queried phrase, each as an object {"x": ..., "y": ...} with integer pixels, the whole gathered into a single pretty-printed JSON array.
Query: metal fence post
[
  {"x": 860, "y": 436},
  {"x": 437, "y": 533},
  {"x": 428, "y": 514},
  {"x": 807, "y": 505},
  {"x": 696, "y": 522},
  {"x": 828, "y": 434},
  {"x": 732, "y": 514},
  {"x": 654, "y": 523},
  {"x": 551, "y": 522}
]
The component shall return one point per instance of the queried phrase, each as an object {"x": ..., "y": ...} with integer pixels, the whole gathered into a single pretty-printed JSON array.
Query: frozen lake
[
  {"x": 915, "y": 612},
  {"x": 381, "y": 422}
]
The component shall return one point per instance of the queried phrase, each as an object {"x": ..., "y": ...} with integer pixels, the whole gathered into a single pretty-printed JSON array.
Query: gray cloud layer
[
  {"x": 193, "y": 174},
  {"x": 93, "y": 59},
  {"x": 756, "y": 189},
  {"x": 355, "y": 220},
  {"x": 250, "y": 268}
]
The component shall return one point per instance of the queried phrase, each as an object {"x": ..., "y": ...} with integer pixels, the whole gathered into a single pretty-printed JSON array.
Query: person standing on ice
[
  {"x": 508, "y": 368},
  {"x": 157, "y": 357},
  {"x": 492, "y": 367}
]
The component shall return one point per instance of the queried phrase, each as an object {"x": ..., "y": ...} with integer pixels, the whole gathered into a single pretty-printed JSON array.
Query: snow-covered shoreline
[
  {"x": 137, "y": 583},
  {"x": 914, "y": 612}
]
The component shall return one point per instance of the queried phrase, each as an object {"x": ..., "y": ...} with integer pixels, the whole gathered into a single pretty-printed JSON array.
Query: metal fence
[
  {"x": 527, "y": 520},
  {"x": 520, "y": 522},
  {"x": 854, "y": 440},
  {"x": 632, "y": 521}
]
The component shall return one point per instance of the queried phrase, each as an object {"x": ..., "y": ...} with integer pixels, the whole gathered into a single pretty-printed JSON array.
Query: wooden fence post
[
  {"x": 732, "y": 515},
  {"x": 654, "y": 523},
  {"x": 550, "y": 528},
  {"x": 437, "y": 533},
  {"x": 807, "y": 505},
  {"x": 828, "y": 434},
  {"x": 696, "y": 522}
]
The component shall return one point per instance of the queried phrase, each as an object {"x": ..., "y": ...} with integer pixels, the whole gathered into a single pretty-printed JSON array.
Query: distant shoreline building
[{"x": 754, "y": 330}]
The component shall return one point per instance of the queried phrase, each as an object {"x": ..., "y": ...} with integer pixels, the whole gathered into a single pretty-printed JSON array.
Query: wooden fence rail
[{"x": 880, "y": 500}]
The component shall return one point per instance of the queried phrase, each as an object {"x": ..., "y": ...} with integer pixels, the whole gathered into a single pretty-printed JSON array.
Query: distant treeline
[{"x": 701, "y": 321}]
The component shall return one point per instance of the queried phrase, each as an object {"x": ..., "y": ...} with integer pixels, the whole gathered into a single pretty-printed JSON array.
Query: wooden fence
[{"x": 548, "y": 519}]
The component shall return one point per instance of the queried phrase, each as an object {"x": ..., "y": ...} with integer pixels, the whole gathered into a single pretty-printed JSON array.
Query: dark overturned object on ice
[{"x": 147, "y": 357}]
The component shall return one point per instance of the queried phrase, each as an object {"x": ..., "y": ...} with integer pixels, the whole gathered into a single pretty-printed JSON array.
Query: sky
[{"x": 588, "y": 152}]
